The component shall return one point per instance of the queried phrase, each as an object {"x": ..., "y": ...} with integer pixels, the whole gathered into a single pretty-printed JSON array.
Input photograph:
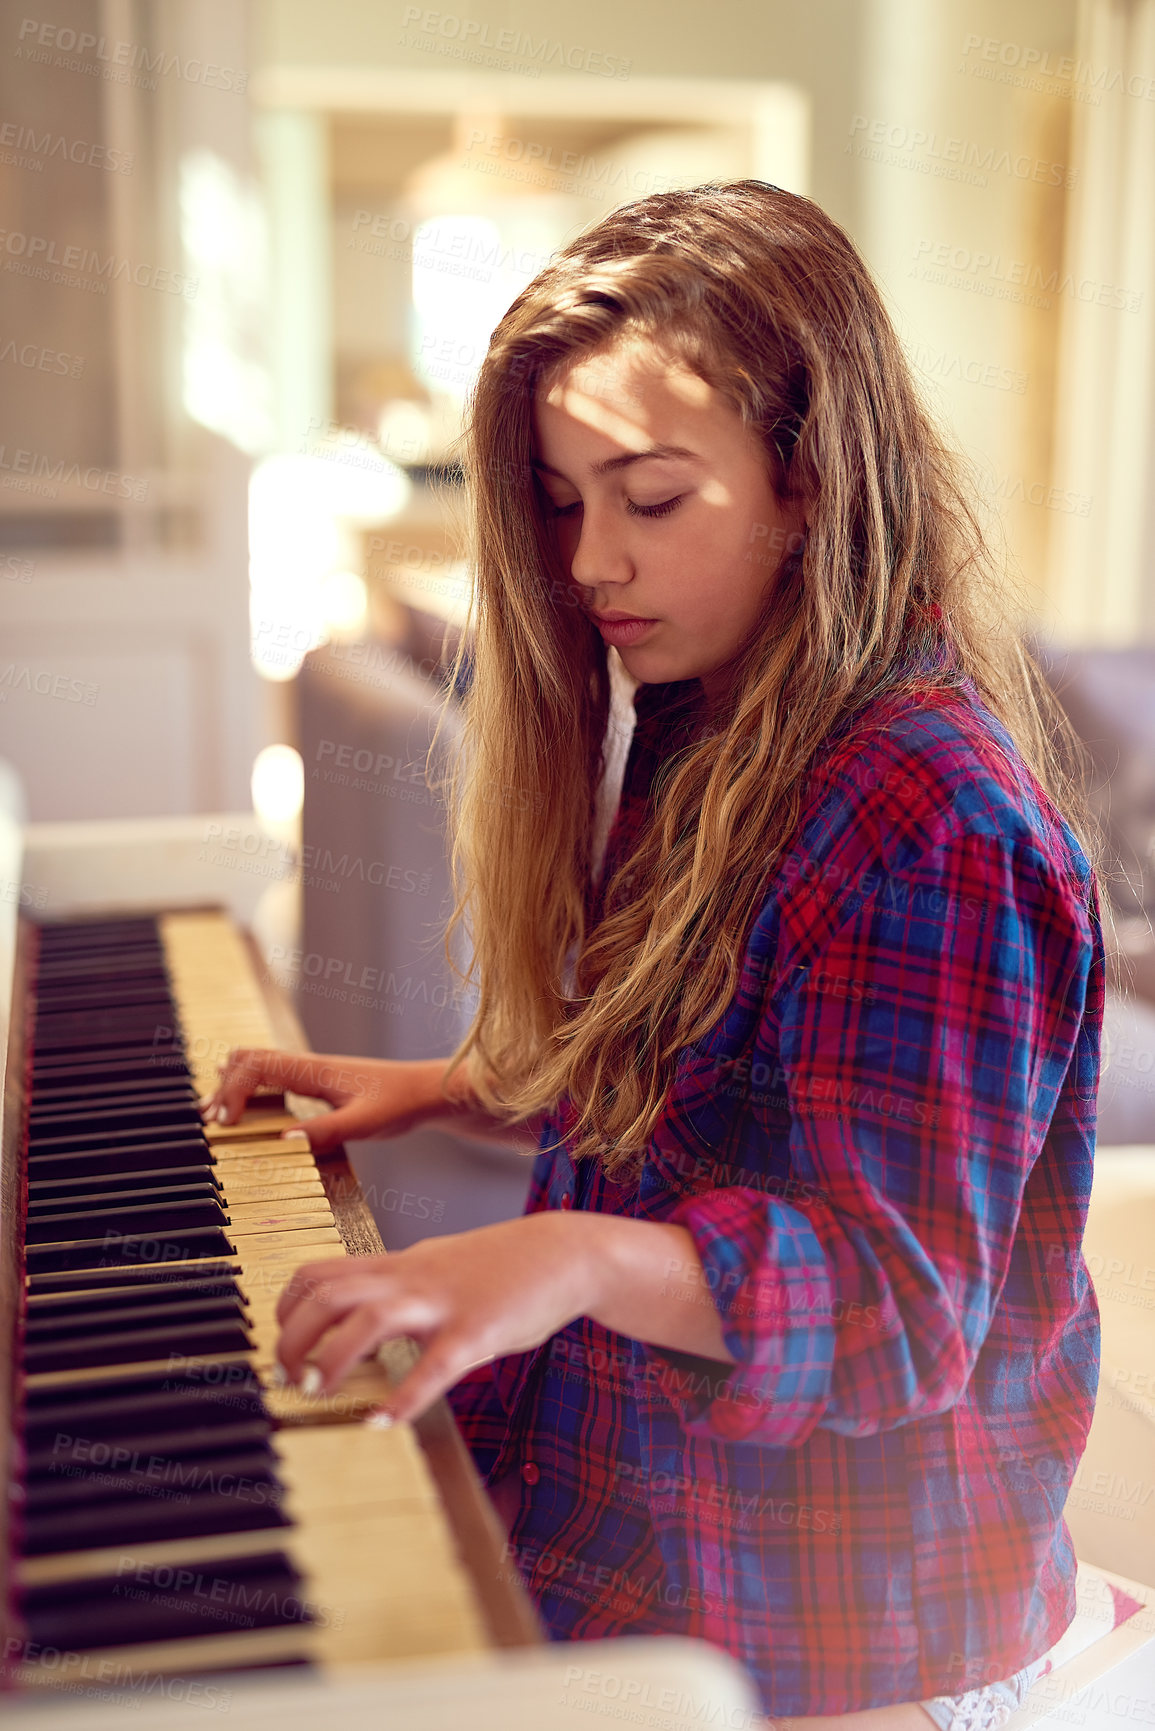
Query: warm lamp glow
[{"x": 278, "y": 784}]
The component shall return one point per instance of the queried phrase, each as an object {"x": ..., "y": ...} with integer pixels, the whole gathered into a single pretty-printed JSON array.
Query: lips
[{"x": 623, "y": 629}]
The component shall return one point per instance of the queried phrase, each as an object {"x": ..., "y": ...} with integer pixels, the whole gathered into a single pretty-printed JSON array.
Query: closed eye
[{"x": 659, "y": 510}]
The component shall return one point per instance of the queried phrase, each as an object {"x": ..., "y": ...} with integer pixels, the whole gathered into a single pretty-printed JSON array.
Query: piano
[{"x": 170, "y": 1509}]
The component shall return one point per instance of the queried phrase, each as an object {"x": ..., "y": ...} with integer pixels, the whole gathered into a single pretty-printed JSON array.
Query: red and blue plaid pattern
[{"x": 883, "y": 1153}]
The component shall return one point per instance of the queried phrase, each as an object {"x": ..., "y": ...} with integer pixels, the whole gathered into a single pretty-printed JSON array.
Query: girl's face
[{"x": 663, "y": 509}]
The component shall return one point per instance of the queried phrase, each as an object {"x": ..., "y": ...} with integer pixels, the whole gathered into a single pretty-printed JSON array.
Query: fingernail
[
  {"x": 379, "y": 1420},
  {"x": 222, "y": 1113},
  {"x": 311, "y": 1382},
  {"x": 279, "y": 1376},
  {"x": 204, "y": 1102}
]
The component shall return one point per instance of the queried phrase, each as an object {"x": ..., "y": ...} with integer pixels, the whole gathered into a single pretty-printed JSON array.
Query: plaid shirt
[{"x": 883, "y": 1154}]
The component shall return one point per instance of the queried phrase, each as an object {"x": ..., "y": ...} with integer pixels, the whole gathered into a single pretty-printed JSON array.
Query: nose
[{"x": 600, "y": 554}]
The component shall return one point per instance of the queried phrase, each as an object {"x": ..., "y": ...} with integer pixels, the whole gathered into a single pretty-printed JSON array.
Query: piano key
[
  {"x": 115, "y": 1117},
  {"x": 125, "y": 1520},
  {"x": 135, "y": 1346},
  {"x": 73, "y": 1478},
  {"x": 131, "y": 1093},
  {"x": 174, "y": 1399},
  {"x": 263, "y": 1591},
  {"x": 142, "y": 1219},
  {"x": 109, "y": 1447},
  {"x": 43, "y": 1189},
  {"x": 104, "y": 1313},
  {"x": 102, "y": 1201},
  {"x": 144, "y": 1277},
  {"x": 157, "y": 1059},
  {"x": 138, "y": 1157},
  {"x": 114, "y": 1248},
  {"x": 111, "y": 1140}
]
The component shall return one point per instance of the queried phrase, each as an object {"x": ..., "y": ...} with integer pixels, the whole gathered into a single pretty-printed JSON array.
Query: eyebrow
[{"x": 610, "y": 464}]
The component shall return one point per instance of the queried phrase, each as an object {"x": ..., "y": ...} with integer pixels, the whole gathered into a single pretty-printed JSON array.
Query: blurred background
[{"x": 251, "y": 253}]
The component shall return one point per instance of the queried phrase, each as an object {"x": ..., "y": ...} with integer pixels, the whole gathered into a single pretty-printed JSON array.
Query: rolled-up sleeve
[{"x": 915, "y": 1048}]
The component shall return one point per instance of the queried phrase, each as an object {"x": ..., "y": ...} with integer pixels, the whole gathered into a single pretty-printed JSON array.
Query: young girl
[{"x": 794, "y": 1349}]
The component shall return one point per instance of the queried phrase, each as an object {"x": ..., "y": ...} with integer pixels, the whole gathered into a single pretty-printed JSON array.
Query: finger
[
  {"x": 327, "y": 1131},
  {"x": 343, "y": 1280},
  {"x": 444, "y": 1362},
  {"x": 243, "y": 1072},
  {"x": 304, "y": 1328},
  {"x": 314, "y": 1315},
  {"x": 246, "y": 1069},
  {"x": 347, "y": 1342}
]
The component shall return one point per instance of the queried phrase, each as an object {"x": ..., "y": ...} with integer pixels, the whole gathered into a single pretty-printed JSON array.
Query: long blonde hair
[{"x": 760, "y": 294}]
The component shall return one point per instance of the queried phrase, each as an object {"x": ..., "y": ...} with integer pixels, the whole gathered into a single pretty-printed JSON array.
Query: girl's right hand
[{"x": 371, "y": 1096}]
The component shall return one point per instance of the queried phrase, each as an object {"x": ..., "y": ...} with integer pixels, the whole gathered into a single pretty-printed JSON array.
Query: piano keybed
[{"x": 180, "y": 1511}]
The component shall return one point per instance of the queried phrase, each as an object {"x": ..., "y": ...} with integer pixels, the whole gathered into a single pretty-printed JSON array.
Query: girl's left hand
[{"x": 465, "y": 1299}]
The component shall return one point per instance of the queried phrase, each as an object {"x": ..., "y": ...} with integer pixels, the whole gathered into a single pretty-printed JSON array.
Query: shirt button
[
  {"x": 530, "y": 1472},
  {"x": 566, "y": 1199}
]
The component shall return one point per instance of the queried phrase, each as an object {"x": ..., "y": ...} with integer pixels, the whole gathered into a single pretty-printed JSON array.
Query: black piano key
[
  {"x": 79, "y": 978},
  {"x": 129, "y": 1092},
  {"x": 144, "y": 1278},
  {"x": 104, "y": 1004},
  {"x": 129, "y": 1301},
  {"x": 114, "y": 1249},
  {"x": 41, "y": 1325},
  {"x": 83, "y": 1044},
  {"x": 42, "y": 1189},
  {"x": 163, "y": 1059},
  {"x": 131, "y": 1136},
  {"x": 131, "y": 1520},
  {"x": 100, "y": 992},
  {"x": 139, "y": 1220},
  {"x": 76, "y": 1479},
  {"x": 184, "y": 1399},
  {"x": 133, "y": 1157},
  {"x": 150, "y": 1601},
  {"x": 99, "y": 1119},
  {"x": 102, "y": 1201},
  {"x": 135, "y": 1346},
  {"x": 133, "y": 1022},
  {"x": 116, "y": 1447}
]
